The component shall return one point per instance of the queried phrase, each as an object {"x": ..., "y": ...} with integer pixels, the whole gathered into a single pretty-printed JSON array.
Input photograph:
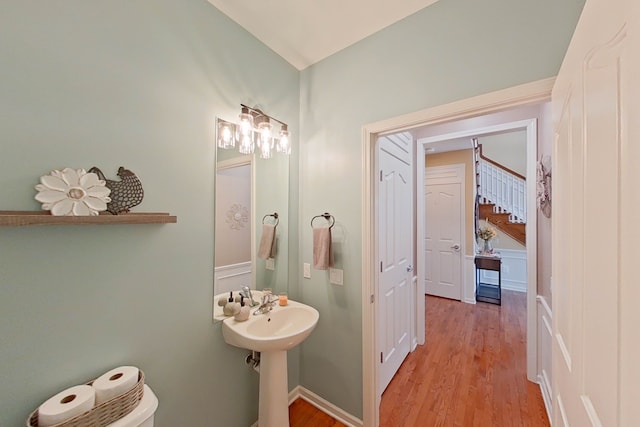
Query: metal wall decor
[
  {"x": 543, "y": 185},
  {"x": 125, "y": 193}
]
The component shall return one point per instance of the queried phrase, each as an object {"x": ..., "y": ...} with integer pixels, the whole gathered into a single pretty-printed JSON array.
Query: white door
[
  {"x": 443, "y": 231},
  {"x": 595, "y": 197},
  {"x": 395, "y": 254}
]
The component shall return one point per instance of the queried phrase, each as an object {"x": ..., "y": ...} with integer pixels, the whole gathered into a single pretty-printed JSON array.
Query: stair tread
[{"x": 516, "y": 230}]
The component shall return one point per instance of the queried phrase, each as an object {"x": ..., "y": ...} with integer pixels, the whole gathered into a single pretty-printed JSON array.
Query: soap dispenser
[
  {"x": 231, "y": 307},
  {"x": 243, "y": 313}
]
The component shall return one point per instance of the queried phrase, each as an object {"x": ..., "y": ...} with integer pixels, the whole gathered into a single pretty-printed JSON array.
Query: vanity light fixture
[
  {"x": 226, "y": 134},
  {"x": 255, "y": 129}
]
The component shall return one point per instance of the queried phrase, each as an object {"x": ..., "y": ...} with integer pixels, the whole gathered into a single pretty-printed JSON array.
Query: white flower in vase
[{"x": 486, "y": 234}]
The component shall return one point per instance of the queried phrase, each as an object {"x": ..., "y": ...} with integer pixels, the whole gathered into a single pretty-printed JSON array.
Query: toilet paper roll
[
  {"x": 116, "y": 381},
  {"x": 65, "y": 405}
]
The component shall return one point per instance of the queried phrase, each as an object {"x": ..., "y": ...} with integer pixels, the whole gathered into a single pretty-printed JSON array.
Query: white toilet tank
[{"x": 142, "y": 415}]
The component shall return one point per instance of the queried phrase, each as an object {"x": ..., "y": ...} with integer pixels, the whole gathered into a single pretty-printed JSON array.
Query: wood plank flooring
[
  {"x": 470, "y": 373},
  {"x": 304, "y": 414}
]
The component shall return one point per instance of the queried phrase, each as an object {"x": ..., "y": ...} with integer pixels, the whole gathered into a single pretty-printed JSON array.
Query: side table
[{"x": 488, "y": 292}]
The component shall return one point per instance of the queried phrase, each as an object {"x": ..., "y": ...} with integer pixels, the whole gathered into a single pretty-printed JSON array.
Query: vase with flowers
[{"x": 487, "y": 234}]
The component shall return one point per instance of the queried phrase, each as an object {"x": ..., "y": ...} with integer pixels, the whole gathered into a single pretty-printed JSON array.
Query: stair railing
[{"x": 503, "y": 187}]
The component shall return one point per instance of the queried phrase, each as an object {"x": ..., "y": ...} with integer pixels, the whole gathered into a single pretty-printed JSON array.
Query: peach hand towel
[
  {"x": 267, "y": 248},
  {"x": 322, "y": 251}
]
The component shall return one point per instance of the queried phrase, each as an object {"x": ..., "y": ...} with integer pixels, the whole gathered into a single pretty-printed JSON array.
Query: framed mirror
[{"x": 248, "y": 188}]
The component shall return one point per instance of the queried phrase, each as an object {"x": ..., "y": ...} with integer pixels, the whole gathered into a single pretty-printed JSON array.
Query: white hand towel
[
  {"x": 267, "y": 248},
  {"x": 322, "y": 251}
]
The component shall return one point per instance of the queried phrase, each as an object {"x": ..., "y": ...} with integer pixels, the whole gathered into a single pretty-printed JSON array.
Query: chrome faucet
[
  {"x": 266, "y": 305},
  {"x": 246, "y": 292}
]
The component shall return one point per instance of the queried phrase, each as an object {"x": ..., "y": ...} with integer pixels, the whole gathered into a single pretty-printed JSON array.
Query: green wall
[
  {"x": 452, "y": 50},
  {"x": 138, "y": 84}
]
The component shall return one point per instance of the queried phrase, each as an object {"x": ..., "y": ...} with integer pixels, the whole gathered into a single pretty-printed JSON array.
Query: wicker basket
[{"x": 105, "y": 413}]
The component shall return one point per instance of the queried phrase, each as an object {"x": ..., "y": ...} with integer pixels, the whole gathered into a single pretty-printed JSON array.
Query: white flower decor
[
  {"x": 237, "y": 216},
  {"x": 72, "y": 192}
]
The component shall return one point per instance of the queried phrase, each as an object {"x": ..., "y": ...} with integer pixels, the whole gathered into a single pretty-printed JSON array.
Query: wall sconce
[{"x": 255, "y": 129}]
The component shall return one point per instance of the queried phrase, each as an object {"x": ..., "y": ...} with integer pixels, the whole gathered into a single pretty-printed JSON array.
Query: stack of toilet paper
[{"x": 80, "y": 399}]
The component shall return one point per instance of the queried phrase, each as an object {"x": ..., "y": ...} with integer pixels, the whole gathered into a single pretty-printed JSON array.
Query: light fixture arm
[{"x": 255, "y": 112}]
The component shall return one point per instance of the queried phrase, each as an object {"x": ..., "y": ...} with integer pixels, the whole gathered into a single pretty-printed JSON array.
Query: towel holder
[
  {"x": 326, "y": 216},
  {"x": 275, "y": 215}
]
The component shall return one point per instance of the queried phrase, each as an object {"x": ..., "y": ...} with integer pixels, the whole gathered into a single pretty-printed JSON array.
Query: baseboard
[
  {"x": 325, "y": 406},
  {"x": 469, "y": 282},
  {"x": 545, "y": 389},
  {"x": 544, "y": 315},
  {"x": 513, "y": 286}
]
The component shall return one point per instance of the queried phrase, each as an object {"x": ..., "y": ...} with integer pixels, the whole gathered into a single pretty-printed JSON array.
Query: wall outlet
[
  {"x": 270, "y": 264},
  {"x": 306, "y": 267},
  {"x": 335, "y": 276}
]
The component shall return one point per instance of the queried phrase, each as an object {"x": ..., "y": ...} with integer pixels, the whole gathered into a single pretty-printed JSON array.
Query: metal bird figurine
[{"x": 125, "y": 193}]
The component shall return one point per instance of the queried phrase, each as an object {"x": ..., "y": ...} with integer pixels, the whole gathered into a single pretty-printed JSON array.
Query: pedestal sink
[{"x": 272, "y": 334}]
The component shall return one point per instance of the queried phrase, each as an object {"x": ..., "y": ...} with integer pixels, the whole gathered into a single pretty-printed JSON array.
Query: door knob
[
  {"x": 456, "y": 248},
  {"x": 409, "y": 268}
]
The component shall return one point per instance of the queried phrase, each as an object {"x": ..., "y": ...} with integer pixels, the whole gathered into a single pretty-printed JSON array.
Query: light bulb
[
  {"x": 265, "y": 151},
  {"x": 226, "y": 137},
  {"x": 247, "y": 146},
  {"x": 246, "y": 122},
  {"x": 284, "y": 144},
  {"x": 264, "y": 128}
]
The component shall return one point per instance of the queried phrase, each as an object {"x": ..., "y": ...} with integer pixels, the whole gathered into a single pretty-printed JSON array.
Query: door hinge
[
  {"x": 380, "y": 266},
  {"x": 380, "y": 175},
  {"x": 381, "y": 358},
  {"x": 372, "y": 298}
]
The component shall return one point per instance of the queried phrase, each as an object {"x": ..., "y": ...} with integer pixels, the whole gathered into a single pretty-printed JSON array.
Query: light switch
[
  {"x": 306, "y": 270},
  {"x": 270, "y": 264},
  {"x": 335, "y": 276}
]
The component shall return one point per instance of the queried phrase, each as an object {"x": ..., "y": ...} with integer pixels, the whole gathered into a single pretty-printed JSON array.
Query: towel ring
[
  {"x": 275, "y": 215},
  {"x": 326, "y": 216}
]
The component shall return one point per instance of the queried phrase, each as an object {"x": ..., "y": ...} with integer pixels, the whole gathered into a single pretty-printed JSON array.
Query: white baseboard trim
[
  {"x": 545, "y": 389},
  {"x": 325, "y": 406},
  {"x": 513, "y": 286},
  {"x": 469, "y": 282},
  {"x": 544, "y": 352}
]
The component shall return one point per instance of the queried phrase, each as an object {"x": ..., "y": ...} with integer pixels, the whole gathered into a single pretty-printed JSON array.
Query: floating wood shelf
[{"x": 22, "y": 218}]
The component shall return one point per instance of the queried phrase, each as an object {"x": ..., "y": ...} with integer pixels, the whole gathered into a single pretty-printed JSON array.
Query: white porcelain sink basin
[{"x": 278, "y": 330}]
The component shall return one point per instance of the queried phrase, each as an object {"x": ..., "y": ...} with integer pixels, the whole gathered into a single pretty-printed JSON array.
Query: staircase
[
  {"x": 501, "y": 220},
  {"x": 501, "y": 196}
]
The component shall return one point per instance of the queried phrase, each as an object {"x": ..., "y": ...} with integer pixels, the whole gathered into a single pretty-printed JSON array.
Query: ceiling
[{"x": 304, "y": 32}]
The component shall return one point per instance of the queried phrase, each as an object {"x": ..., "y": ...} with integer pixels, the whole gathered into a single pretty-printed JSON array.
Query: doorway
[
  {"x": 444, "y": 201},
  {"x": 468, "y": 109}
]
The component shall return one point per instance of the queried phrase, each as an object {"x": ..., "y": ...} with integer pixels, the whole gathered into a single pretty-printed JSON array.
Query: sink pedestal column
[{"x": 273, "y": 409}]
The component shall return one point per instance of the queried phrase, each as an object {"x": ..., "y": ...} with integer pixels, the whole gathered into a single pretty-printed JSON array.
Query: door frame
[
  {"x": 526, "y": 94},
  {"x": 530, "y": 126},
  {"x": 421, "y": 213}
]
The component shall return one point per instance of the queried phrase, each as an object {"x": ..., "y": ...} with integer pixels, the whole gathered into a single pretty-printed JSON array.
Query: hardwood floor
[
  {"x": 304, "y": 414},
  {"x": 470, "y": 373}
]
